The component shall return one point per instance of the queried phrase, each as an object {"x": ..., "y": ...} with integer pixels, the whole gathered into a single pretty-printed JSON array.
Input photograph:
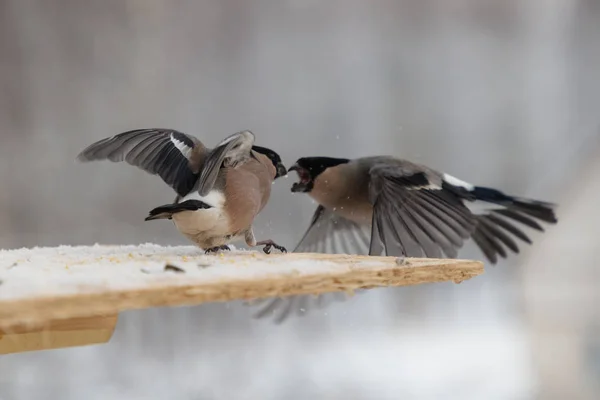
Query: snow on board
[{"x": 46, "y": 280}]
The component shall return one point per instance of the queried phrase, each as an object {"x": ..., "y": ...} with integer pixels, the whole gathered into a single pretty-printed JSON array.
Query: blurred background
[{"x": 497, "y": 92}]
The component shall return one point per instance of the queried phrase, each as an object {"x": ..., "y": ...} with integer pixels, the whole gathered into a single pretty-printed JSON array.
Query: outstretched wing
[
  {"x": 174, "y": 156},
  {"x": 413, "y": 216},
  {"x": 332, "y": 234},
  {"x": 230, "y": 151},
  {"x": 280, "y": 308},
  {"x": 327, "y": 233}
]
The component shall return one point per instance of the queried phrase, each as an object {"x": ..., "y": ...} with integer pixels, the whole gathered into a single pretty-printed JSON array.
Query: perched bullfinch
[
  {"x": 219, "y": 191},
  {"x": 376, "y": 205}
]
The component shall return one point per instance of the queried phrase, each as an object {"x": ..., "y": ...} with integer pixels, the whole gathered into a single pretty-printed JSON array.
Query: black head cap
[
  {"x": 275, "y": 159},
  {"x": 309, "y": 168}
]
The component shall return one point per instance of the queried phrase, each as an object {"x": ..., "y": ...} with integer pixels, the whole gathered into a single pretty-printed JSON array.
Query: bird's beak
[
  {"x": 298, "y": 187},
  {"x": 281, "y": 171}
]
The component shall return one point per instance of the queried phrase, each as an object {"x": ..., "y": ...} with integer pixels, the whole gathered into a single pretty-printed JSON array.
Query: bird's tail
[
  {"x": 167, "y": 211},
  {"x": 497, "y": 229}
]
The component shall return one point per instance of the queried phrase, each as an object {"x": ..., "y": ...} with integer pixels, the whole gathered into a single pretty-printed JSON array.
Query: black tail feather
[
  {"x": 491, "y": 232},
  {"x": 167, "y": 211},
  {"x": 541, "y": 210},
  {"x": 537, "y": 209},
  {"x": 519, "y": 217}
]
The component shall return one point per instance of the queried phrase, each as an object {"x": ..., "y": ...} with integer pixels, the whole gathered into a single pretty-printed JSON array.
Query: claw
[
  {"x": 216, "y": 249},
  {"x": 270, "y": 244},
  {"x": 280, "y": 248}
]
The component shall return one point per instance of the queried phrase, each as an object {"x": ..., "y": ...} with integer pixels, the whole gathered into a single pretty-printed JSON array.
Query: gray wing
[
  {"x": 280, "y": 308},
  {"x": 327, "y": 233},
  {"x": 413, "y": 216},
  {"x": 172, "y": 155},
  {"x": 231, "y": 151},
  {"x": 330, "y": 233}
]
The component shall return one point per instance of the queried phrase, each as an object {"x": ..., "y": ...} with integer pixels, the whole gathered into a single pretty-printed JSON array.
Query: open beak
[{"x": 302, "y": 185}]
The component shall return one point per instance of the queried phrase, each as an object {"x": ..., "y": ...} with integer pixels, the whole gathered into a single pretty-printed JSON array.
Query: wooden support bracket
[
  {"x": 56, "y": 334},
  {"x": 71, "y": 296}
]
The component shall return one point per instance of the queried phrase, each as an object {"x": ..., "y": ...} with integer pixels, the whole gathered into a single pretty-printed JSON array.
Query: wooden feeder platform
[{"x": 55, "y": 297}]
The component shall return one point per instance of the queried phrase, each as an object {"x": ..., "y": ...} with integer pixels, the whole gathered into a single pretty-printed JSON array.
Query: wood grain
[
  {"x": 58, "y": 334},
  {"x": 69, "y": 292}
]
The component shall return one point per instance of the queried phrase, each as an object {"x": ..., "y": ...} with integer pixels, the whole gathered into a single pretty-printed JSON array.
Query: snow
[
  {"x": 76, "y": 269},
  {"x": 360, "y": 349}
]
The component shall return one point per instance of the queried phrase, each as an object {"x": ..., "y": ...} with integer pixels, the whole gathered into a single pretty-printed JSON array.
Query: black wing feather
[
  {"x": 501, "y": 222},
  {"x": 152, "y": 150},
  {"x": 414, "y": 219}
]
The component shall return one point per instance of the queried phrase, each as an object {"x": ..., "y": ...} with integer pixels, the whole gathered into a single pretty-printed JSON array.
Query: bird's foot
[
  {"x": 269, "y": 244},
  {"x": 216, "y": 249}
]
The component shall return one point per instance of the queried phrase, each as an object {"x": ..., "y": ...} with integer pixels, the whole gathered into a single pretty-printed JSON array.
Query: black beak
[
  {"x": 281, "y": 171},
  {"x": 294, "y": 167}
]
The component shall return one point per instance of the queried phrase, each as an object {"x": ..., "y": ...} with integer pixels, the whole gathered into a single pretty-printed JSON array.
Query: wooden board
[
  {"x": 58, "y": 334},
  {"x": 48, "y": 284}
]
